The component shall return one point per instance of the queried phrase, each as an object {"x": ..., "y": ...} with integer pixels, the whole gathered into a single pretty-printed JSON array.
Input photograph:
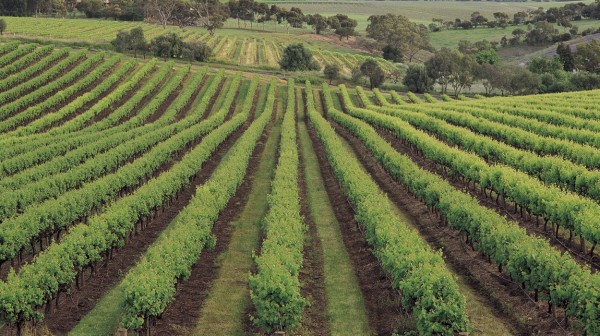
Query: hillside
[{"x": 160, "y": 197}]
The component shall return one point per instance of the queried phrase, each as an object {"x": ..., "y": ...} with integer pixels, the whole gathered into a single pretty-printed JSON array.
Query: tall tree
[
  {"x": 398, "y": 30},
  {"x": 566, "y": 57},
  {"x": 163, "y": 10},
  {"x": 343, "y": 25},
  {"x": 371, "y": 69},
  {"x": 587, "y": 57},
  {"x": 298, "y": 58},
  {"x": 318, "y": 22},
  {"x": 440, "y": 67},
  {"x": 210, "y": 14},
  {"x": 416, "y": 79}
]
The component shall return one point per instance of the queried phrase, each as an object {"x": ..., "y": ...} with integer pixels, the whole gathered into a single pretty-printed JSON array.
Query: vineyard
[
  {"x": 151, "y": 197},
  {"x": 258, "y": 50}
]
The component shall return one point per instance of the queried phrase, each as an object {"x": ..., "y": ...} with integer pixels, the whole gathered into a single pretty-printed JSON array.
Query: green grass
[
  {"x": 231, "y": 285},
  {"x": 345, "y": 307},
  {"x": 450, "y": 38},
  {"x": 103, "y": 320},
  {"x": 417, "y": 11}
]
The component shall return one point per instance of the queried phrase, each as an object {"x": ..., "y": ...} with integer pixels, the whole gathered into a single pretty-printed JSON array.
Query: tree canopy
[
  {"x": 298, "y": 58},
  {"x": 398, "y": 30}
]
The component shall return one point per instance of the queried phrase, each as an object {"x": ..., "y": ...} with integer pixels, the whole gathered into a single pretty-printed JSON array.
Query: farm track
[
  {"x": 184, "y": 311},
  {"x": 505, "y": 297},
  {"x": 381, "y": 301},
  {"x": 73, "y": 308},
  {"x": 30, "y": 253}
]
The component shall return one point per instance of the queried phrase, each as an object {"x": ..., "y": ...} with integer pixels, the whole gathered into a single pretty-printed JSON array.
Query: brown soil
[
  {"x": 181, "y": 316},
  {"x": 75, "y": 306},
  {"x": 506, "y": 298},
  {"x": 381, "y": 301}
]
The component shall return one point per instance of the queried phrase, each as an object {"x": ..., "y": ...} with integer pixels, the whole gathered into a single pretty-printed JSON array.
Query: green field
[
  {"x": 417, "y": 11},
  {"x": 175, "y": 198}
]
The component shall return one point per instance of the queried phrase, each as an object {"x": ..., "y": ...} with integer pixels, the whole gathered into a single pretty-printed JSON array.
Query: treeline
[
  {"x": 457, "y": 70},
  {"x": 562, "y": 16}
]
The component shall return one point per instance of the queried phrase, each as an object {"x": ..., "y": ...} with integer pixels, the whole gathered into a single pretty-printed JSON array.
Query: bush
[
  {"x": 417, "y": 80},
  {"x": 2, "y": 26},
  {"x": 169, "y": 45},
  {"x": 297, "y": 58},
  {"x": 197, "y": 51},
  {"x": 332, "y": 72},
  {"x": 584, "y": 80},
  {"x": 371, "y": 69},
  {"x": 392, "y": 53}
]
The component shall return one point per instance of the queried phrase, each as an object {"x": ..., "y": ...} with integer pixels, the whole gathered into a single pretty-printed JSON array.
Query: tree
[
  {"x": 501, "y": 19},
  {"x": 332, "y": 72},
  {"x": 169, "y": 45},
  {"x": 2, "y": 26},
  {"x": 197, "y": 51},
  {"x": 91, "y": 8},
  {"x": 489, "y": 75},
  {"x": 522, "y": 81},
  {"x": 542, "y": 33},
  {"x": 417, "y": 80},
  {"x": 440, "y": 67},
  {"x": 392, "y": 53},
  {"x": 138, "y": 41},
  {"x": 318, "y": 22},
  {"x": 162, "y": 10},
  {"x": 584, "y": 80},
  {"x": 122, "y": 42},
  {"x": 566, "y": 57},
  {"x": 399, "y": 31},
  {"x": 343, "y": 25},
  {"x": 183, "y": 15},
  {"x": 297, "y": 58},
  {"x": 463, "y": 68},
  {"x": 587, "y": 57},
  {"x": 133, "y": 40},
  {"x": 520, "y": 18},
  {"x": 210, "y": 14},
  {"x": 477, "y": 19},
  {"x": 540, "y": 65},
  {"x": 487, "y": 56},
  {"x": 371, "y": 69}
]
